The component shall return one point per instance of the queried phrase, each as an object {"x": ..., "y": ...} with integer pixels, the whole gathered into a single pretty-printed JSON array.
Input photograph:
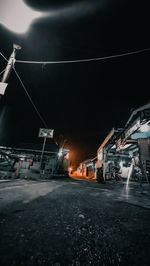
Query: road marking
[
  {"x": 6, "y": 180},
  {"x": 73, "y": 183}
]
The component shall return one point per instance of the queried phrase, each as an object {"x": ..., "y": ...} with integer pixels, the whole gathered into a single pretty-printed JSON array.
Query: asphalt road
[{"x": 74, "y": 222}]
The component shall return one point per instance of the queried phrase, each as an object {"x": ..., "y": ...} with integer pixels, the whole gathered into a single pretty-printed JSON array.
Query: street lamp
[{"x": 16, "y": 16}]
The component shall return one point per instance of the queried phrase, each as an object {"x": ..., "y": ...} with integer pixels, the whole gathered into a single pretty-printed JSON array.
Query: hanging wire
[
  {"x": 38, "y": 113},
  {"x": 84, "y": 60},
  {"x": 3, "y": 56},
  {"x": 2, "y": 71}
]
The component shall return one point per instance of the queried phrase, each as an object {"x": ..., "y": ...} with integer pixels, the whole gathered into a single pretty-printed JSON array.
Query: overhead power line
[
  {"x": 84, "y": 60},
  {"x": 35, "y": 108},
  {"x": 2, "y": 71},
  {"x": 3, "y": 56}
]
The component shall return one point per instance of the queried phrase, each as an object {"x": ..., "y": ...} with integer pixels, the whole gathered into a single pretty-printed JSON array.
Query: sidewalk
[{"x": 134, "y": 193}]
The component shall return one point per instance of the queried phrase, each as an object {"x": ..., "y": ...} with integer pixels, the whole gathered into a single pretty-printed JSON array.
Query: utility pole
[
  {"x": 45, "y": 133},
  {"x": 42, "y": 153},
  {"x": 8, "y": 69}
]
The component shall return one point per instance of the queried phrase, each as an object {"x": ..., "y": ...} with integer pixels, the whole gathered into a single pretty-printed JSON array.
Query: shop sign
[{"x": 46, "y": 133}]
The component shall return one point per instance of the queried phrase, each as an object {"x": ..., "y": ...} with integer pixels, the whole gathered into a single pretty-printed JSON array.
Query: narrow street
[{"x": 74, "y": 222}]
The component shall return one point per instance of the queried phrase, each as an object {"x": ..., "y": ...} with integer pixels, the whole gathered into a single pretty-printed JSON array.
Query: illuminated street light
[{"x": 16, "y": 16}]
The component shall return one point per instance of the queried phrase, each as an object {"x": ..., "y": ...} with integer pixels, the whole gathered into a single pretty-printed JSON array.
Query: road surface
[{"x": 73, "y": 222}]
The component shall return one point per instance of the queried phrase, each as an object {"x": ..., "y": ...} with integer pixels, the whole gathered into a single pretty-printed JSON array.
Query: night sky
[{"x": 80, "y": 101}]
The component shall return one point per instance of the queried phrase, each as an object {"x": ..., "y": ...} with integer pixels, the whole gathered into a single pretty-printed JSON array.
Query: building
[
  {"x": 87, "y": 167},
  {"x": 135, "y": 141},
  {"x": 54, "y": 159},
  {"x": 127, "y": 149},
  {"x": 106, "y": 156}
]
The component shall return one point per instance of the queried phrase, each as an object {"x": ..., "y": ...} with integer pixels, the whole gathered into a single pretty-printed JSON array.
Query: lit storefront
[{"x": 127, "y": 148}]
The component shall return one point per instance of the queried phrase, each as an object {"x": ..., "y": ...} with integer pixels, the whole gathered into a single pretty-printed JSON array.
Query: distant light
[
  {"x": 67, "y": 156},
  {"x": 16, "y": 16},
  {"x": 70, "y": 170},
  {"x": 60, "y": 152}
]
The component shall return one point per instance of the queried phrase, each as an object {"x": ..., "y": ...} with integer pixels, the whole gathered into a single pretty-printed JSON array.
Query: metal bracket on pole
[{"x": 8, "y": 69}]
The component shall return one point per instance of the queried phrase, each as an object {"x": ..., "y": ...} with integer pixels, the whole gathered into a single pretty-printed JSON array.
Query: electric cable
[
  {"x": 38, "y": 113},
  {"x": 2, "y": 71},
  {"x": 3, "y": 56},
  {"x": 84, "y": 60}
]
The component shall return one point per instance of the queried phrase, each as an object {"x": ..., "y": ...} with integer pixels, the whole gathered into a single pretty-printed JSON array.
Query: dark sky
[{"x": 81, "y": 101}]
